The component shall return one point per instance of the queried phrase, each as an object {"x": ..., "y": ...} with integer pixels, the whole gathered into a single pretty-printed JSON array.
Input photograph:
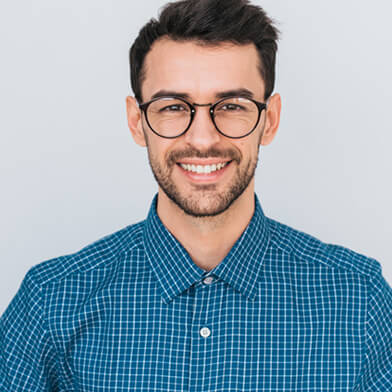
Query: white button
[
  {"x": 208, "y": 280},
  {"x": 205, "y": 332}
]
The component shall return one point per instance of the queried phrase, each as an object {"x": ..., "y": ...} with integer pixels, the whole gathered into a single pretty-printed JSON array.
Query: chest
[{"x": 211, "y": 338}]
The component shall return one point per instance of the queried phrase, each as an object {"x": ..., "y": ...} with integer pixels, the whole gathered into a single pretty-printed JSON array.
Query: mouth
[
  {"x": 203, "y": 169},
  {"x": 198, "y": 173}
]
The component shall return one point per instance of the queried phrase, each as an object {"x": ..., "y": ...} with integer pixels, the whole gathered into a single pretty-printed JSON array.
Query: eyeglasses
[{"x": 233, "y": 117}]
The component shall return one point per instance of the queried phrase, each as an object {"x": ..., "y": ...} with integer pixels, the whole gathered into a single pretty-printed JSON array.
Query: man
[{"x": 206, "y": 294}]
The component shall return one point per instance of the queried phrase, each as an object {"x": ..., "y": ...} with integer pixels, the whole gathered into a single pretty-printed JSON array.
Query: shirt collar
[{"x": 176, "y": 272}]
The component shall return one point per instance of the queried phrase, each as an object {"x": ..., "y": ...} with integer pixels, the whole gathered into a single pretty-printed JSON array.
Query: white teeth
[{"x": 207, "y": 169}]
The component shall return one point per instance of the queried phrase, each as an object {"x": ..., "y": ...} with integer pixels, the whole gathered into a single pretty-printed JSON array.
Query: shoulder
[
  {"x": 309, "y": 249},
  {"x": 99, "y": 254}
]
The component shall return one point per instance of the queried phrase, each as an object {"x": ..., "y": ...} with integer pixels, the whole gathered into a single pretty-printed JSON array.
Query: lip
[
  {"x": 203, "y": 162},
  {"x": 204, "y": 177}
]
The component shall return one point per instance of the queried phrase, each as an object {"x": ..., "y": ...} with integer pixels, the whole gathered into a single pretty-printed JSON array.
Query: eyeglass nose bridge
[{"x": 200, "y": 105}]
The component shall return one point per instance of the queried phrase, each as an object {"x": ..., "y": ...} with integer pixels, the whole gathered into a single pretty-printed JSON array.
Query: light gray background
[{"x": 70, "y": 172}]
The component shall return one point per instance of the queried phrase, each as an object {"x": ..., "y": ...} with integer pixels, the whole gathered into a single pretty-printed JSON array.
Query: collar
[{"x": 176, "y": 272}]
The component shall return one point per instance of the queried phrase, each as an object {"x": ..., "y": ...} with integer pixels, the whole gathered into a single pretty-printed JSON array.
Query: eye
[
  {"x": 231, "y": 107},
  {"x": 174, "y": 108}
]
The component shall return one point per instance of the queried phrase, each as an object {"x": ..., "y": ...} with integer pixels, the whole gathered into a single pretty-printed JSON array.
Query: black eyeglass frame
[{"x": 260, "y": 106}]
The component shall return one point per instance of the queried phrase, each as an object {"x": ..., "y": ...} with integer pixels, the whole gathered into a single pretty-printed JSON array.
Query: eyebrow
[{"x": 240, "y": 92}]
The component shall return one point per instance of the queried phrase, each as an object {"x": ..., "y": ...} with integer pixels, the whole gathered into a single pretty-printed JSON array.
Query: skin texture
[{"x": 206, "y": 214}]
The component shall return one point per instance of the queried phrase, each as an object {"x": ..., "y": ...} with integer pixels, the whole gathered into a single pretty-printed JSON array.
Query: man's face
[{"x": 202, "y": 74}]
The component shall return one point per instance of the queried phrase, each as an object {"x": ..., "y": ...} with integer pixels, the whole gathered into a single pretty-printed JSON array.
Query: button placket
[{"x": 202, "y": 337}]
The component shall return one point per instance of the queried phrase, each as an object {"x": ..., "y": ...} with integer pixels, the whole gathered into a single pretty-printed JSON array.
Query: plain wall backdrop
[{"x": 71, "y": 173}]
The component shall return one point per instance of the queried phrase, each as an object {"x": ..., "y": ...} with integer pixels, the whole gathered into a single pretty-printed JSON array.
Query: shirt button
[
  {"x": 208, "y": 280},
  {"x": 205, "y": 332}
]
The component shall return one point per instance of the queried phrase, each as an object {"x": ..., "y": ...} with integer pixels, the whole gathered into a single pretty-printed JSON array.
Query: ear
[
  {"x": 272, "y": 119},
  {"x": 135, "y": 121}
]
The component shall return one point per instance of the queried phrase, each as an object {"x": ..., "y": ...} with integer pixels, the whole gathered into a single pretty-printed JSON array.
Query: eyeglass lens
[{"x": 233, "y": 117}]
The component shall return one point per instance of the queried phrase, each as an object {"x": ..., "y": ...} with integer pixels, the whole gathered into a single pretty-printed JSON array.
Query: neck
[{"x": 207, "y": 240}]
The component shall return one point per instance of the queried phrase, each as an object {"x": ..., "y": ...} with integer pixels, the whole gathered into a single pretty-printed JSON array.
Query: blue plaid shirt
[{"x": 282, "y": 312}]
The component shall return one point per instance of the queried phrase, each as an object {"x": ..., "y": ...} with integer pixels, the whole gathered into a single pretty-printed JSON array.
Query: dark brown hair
[{"x": 209, "y": 22}]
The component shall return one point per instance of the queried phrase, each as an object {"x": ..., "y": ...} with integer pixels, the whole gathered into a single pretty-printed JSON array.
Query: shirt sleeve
[
  {"x": 377, "y": 369},
  {"x": 27, "y": 357}
]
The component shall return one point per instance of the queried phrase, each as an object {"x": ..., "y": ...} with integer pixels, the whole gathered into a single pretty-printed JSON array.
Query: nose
[{"x": 202, "y": 134}]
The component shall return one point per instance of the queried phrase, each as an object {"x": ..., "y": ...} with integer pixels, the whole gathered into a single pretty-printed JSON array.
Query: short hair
[{"x": 209, "y": 22}]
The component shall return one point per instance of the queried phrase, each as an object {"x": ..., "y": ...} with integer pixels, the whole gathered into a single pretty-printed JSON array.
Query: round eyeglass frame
[{"x": 260, "y": 106}]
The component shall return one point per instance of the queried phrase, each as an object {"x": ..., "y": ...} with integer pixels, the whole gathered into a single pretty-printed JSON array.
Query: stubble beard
[{"x": 204, "y": 200}]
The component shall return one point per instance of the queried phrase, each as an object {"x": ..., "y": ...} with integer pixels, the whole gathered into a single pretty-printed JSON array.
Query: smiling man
[
  {"x": 207, "y": 293},
  {"x": 203, "y": 122}
]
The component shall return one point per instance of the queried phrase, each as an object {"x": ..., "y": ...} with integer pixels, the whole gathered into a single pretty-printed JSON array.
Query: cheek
[
  {"x": 159, "y": 149},
  {"x": 249, "y": 148}
]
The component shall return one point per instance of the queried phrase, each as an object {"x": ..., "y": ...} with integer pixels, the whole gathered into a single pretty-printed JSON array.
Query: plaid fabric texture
[{"x": 132, "y": 312}]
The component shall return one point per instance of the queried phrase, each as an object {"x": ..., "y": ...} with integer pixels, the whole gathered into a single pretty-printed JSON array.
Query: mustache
[{"x": 191, "y": 152}]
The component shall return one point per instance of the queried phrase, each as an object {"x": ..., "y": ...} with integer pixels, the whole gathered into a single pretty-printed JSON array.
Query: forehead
[{"x": 201, "y": 71}]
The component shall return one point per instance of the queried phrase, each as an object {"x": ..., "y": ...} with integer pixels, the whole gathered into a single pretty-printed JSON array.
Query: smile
[{"x": 204, "y": 169}]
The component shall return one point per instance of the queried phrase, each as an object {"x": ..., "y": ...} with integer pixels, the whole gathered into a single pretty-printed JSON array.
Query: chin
[{"x": 206, "y": 204}]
